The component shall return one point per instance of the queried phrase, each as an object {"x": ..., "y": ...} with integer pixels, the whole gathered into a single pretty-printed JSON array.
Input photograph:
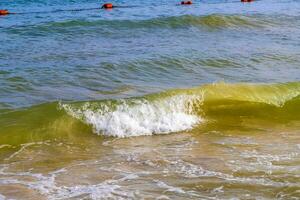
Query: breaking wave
[
  {"x": 138, "y": 116},
  {"x": 160, "y": 113},
  {"x": 181, "y": 109}
]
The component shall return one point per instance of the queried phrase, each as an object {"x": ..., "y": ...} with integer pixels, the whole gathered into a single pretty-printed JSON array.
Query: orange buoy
[
  {"x": 4, "y": 12},
  {"x": 186, "y": 2},
  {"x": 107, "y": 6}
]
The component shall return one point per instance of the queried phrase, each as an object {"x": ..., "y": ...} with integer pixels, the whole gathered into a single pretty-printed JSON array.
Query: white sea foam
[
  {"x": 169, "y": 188},
  {"x": 2, "y": 197},
  {"x": 139, "y": 117},
  {"x": 47, "y": 186}
]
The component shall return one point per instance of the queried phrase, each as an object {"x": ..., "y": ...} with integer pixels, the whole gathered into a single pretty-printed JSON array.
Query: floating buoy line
[
  {"x": 106, "y": 6},
  {"x": 186, "y": 3},
  {"x": 4, "y": 12}
]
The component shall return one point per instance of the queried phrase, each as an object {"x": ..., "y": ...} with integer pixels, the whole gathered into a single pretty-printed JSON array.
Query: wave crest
[
  {"x": 182, "y": 109},
  {"x": 161, "y": 113},
  {"x": 136, "y": 117},
  {"x": 210, "y": 22}
]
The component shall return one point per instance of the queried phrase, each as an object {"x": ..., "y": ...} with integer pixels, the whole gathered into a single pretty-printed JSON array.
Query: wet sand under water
[{"x": 252, "y": 163}]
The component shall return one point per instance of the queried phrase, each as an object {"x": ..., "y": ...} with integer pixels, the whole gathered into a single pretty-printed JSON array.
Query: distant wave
[{"x": 214, "y": 21}]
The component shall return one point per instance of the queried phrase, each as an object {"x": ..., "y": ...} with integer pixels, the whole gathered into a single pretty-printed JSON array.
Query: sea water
[{"x": 150, "y": 100}]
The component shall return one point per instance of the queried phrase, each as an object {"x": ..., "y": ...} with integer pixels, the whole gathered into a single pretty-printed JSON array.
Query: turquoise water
[
  {"x": 99, "y": 54},
  {"x": 212, "y": 90}
]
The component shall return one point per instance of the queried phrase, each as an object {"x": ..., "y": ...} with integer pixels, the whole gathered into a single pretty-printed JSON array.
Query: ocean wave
[
  {"x": 213, "y": 21},
  {"x": 160, "y": 113},
  {"x": 181, "y": 109},
  {"x": 138, "y": 116}
]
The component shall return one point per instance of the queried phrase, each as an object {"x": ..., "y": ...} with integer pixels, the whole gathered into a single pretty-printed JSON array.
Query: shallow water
[{"x": 148, "y": 101}]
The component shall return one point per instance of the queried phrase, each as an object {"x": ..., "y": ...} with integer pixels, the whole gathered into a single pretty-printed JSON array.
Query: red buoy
[
  {"x": 186, "y": 2},
  {"x": 107, "y": 6},
  {"x": 4, "y": 12},
  {"x": 244, "y": 1}
]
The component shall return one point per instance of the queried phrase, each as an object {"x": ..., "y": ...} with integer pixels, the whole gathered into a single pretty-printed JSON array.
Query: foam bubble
[
  {"x": 140, "y": 116},
  {"x": 169, "y": 188},
  {"x": 2, "y": 197},
  {"x": 47, "y": 186}
]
